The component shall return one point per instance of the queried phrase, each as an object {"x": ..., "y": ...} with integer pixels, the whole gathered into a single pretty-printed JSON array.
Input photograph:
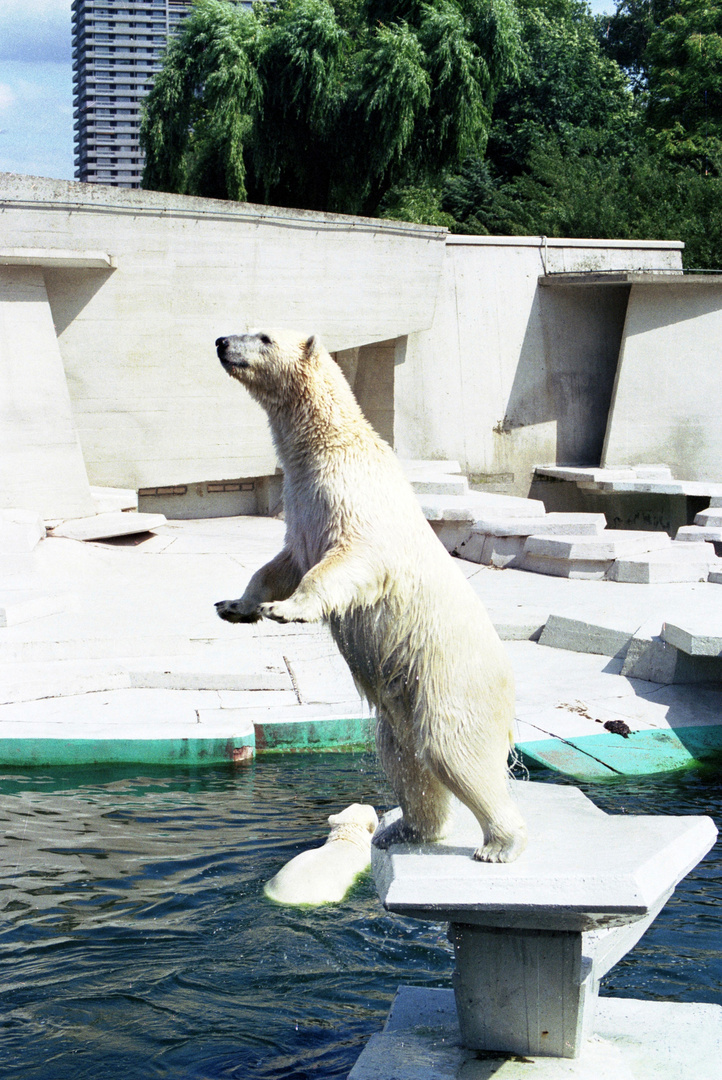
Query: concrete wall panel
[
  {"x": 151, "y": 403},
  {"x": 668, "y": 396}
]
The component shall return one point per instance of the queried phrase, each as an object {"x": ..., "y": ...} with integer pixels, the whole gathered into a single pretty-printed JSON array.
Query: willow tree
[{"x": 325, "y": 105}]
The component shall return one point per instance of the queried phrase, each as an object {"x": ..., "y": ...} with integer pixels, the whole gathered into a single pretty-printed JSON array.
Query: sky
[{"x": 36, "y": 92}]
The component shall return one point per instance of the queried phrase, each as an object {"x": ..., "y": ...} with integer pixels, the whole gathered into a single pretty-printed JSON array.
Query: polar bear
[
  {"x": 324, "y": 875},
  {"x": 360, "y": 555}
]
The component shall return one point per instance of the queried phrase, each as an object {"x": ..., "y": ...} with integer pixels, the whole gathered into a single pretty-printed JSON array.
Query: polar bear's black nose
[{"x": 221, "y": 344}]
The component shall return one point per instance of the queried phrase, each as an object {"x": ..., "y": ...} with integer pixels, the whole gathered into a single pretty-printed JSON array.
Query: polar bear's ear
[{"x": 311, "y": 347}]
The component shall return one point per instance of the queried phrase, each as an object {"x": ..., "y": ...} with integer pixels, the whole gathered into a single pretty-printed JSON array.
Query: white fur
[
  {"x": 325, "y": 874},
  {"x": 359, "y": 554}
]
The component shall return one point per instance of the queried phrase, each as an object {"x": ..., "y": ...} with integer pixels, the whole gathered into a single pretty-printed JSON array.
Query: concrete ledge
[{"x": 57, "y": 257}]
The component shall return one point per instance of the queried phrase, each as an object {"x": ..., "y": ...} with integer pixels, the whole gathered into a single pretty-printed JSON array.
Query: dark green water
[{"x": 136, "y": 942}]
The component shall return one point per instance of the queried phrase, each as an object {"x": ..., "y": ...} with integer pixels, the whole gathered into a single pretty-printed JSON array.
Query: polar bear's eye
[{"x": 264, "y": 339}]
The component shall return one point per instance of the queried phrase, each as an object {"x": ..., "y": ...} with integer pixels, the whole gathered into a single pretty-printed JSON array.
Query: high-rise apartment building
[{"x": 117, "y": 47}]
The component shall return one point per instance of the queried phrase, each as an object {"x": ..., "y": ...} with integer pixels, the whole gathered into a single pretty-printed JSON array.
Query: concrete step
[
  {"x": 499, "y": 541},
  {"x": 609, "y": 545},
  {"x": 698, "y": 533},
  {"x": 452, "y": 516}
]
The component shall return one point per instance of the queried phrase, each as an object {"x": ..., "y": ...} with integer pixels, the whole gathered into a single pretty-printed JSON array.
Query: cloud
[
  {"x": 7, "y": 96},
  {"x": 35, "y": 31}
]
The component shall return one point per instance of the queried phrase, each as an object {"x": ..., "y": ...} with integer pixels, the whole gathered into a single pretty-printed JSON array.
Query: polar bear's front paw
[
  {"x": 501, "y": 849},
  {"x": 397, "y": 832},
  {"x": 285, "y": 611},
  {"x": 237, "y": 611}
]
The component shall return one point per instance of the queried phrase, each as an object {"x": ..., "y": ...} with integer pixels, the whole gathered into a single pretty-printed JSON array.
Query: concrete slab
[
  {"x": 105, "y": 526},
  {"x": 697, "y": 533},
  {"x": 581, "y": 870},
  {"x": 610, "y": 637},
  {"x": 554, "y": 524},
  {"x": 609, "y": 545},
  {"x": 632, "y": 1040},
  {"x": 678, "y": 562},
  {"x": 695, "y": 640},
  {"x": 438, "y": 484},
  {"x": 715, "y": 577},
  {"x": 709, "y": 518},
  {"x": 580, "y": 569}
]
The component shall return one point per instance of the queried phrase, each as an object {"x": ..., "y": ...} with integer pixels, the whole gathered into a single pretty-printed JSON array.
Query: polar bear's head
[{"x": 270, "y": 364}]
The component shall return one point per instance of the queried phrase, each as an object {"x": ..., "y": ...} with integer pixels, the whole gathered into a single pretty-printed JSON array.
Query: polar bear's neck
[{"x": 319, "y": 420}]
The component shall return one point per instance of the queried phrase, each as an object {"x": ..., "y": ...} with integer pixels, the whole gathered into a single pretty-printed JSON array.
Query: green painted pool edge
[
  {"x": 590, "y": 757},
  {"x": 37, "y": 752},
  {"x": 296, "y": 736},
  {"x": 348, "y": 733},
  {"x": 643, "y": 753}
]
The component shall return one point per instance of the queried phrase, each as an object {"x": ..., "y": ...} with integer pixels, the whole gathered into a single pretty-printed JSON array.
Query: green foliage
[
  {"x": 324, "y": 105},
  {"x": 565, "y": 84},
  {"x": 684, "y": 108}
]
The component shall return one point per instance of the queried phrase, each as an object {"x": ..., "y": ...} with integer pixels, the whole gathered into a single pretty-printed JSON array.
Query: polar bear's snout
[{"x": 229, "y": 360}]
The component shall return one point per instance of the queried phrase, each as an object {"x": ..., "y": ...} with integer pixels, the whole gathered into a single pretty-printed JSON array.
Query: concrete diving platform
[{"x": 532, "y": 941}]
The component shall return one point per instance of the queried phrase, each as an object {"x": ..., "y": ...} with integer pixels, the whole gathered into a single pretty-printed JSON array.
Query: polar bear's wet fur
[
  {"x": 359, "y": 554},
  {"x": 324, "y": 875}
]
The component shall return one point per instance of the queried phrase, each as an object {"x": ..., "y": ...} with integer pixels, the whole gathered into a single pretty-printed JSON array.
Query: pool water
[{"x": 136, "y": 941}]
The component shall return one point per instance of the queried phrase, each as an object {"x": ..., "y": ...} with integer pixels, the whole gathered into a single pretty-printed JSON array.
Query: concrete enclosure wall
[
  {"x": 511, "y": 374},
  {"x": 454, "y": 346}
]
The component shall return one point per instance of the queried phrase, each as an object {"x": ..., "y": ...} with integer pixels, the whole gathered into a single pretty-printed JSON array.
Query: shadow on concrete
[
  {"x": 69, "y": 291},
  {"x": 567, "y": 368}
]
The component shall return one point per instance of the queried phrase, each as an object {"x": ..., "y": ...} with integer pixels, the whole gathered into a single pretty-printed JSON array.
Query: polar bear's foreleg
[
  {"x": 274, "y": 581},
  {"x": 341, "y": 579},
  {"x": 424, "y": 801}
]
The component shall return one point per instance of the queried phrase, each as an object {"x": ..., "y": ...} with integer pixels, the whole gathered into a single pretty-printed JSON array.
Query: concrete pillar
[{"x": 41, "y": 462}]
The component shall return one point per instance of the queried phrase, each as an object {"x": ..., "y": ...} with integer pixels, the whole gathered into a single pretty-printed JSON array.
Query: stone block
[
  {"x": 501, "y": 551},
  {"x": 609, "y": 545},
  {"x": 699, "y": 534},
  {"x": 702, "y": 640},
  {"x": 711, "y": 518},
  {"x": 651, "y": 659},
  {"x": 20, "y": 531},
  {"x": 611, "y": 638},
  {"x": 715, "y": 576},
  {"x": 715, "y": 501},
  {"x": 452, "y": 534},
  {"x": 106, "y": 526}
]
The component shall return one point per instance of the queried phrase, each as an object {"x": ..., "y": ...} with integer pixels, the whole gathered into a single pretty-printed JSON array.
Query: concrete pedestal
[{"x": 533, "y": 938}]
